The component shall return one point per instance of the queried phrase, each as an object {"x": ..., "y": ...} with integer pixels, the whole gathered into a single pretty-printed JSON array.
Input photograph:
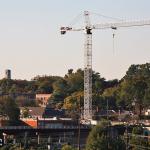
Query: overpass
[{"x": 44, "y": 129}]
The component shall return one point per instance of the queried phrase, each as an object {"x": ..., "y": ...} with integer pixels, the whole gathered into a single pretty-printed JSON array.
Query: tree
[
  {"x": 67, "y": 147},
  {"x": 73, "y": 104},
  {"x": 44, "y": 84},
  {"x": 23, "y": 101},
  {"x": 25, "y": 112},
  {"x": 10, "y": 109},
  {"x": 75, "y": 81},
  {"x": 70, "y": 71},
  {"x": 45, "y": 87},
  {"x": 146, "y": 101},
  {"x": 101, "y": 138},
  {"x": 74, "y": 101},
  {"x": 137, "y": 141}
]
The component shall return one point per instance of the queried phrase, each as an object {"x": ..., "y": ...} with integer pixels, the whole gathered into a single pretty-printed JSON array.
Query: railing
[
  {"x": 52, "y": 126},
  {"x": 42, "y": 127},
  {"x": 16, "y": 127}
]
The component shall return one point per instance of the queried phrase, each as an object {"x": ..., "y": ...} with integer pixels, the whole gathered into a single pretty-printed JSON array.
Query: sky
[{"x": 31, "y": 44}]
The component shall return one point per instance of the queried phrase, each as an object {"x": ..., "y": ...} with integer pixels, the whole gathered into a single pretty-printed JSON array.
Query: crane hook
[{"x": 113, "y": 43}]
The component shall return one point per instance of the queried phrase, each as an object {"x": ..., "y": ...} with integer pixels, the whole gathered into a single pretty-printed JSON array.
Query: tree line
[{"x": 68, "y": 91}]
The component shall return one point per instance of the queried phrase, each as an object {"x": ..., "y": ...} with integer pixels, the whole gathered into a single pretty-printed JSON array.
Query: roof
[
  {"x": 51, "y": 112},
  {"x": 34, "y": 111},
  {"x": 104, "y": 112},
  {"x": 43, "y": 95},
  {"x": 45, "y": 112}
]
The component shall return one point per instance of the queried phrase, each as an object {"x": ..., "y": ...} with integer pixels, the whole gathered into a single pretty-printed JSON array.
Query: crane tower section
[{"x": 87, "y": 68}]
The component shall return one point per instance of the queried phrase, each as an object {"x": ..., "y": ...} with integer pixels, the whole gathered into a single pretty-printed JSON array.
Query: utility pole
[
  {"x": 38, "y": 138},
  {"x": 127, "y": 137},
  {"x": 107, "y": 109},
  {"x": 49, "y": 143},
  {"x": 25, "y": 139},
  {"x": 108, "y": 127},
  {"x": 79, "y": 118}
]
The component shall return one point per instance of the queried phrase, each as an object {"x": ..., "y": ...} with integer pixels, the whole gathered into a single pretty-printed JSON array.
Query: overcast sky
[{"x": 31, "y": 44}]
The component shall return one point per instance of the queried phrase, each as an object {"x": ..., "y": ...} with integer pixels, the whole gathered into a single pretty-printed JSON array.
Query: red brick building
[{"x": 42, "y": 99}]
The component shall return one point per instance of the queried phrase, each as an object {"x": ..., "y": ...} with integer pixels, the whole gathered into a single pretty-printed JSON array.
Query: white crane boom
[
  {"x": 121, "y": 24},
  {"x": 88, "y": 53},
  {"x": 108, "y": 26}
]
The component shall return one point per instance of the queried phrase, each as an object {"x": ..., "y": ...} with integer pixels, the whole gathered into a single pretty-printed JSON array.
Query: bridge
[
  {"x": 66, "y": 133},
  {"x": 42, "y": 129}
]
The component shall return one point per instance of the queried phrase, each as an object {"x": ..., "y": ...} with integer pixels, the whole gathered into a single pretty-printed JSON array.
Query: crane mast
[
  {"x": 87, "y": 68},
  {"x": 87, "y": 115}
]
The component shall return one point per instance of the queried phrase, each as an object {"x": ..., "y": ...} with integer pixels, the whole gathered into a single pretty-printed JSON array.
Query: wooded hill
[{"x": 67, "y": 91}]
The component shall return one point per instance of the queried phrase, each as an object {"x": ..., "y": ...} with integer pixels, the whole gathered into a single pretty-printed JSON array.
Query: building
[
  {"x": 41, "y": 112},
  {"x": 8, "y": 74},
  {"x": 30, "y": 122},
  {"x": 32, "y": 112},
  {"x": 42, "y": 99},
  {"x": 52, "y": 113},
  {"x": 31, "y": 115}
]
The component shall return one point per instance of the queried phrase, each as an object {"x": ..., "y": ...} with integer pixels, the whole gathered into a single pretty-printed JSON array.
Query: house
[
  {"x": 41, "y": 112},
  {"x": 32, "y": 112},
  {"x": 30, "y": 115},
  {"x": 42, "y": 99},
  {"x": 57, "y": 123},
  {"x": 36, "y": 116}
]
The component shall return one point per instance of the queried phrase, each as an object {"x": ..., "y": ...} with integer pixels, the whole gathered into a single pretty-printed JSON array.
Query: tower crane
[{"x": 88, "y": 27}]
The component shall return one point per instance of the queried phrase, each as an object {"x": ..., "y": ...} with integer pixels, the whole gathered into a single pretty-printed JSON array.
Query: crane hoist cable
[{"x": 113, "y": 38}]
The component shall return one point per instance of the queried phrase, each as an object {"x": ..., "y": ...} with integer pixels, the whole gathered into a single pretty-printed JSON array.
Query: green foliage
[
  {"x": 23, "y": 101},
  {"x": 138, "y": 70},
  {"x": 134, "y": 85},
  {"x": 146, "y": 99},
  {"x": 120, "y": 94},
  {"x": 137, "y": 140},
  {"x": 100, "y": 138},
  {"x": 25, "y": 112},
  {"x": 74, "y": 104},
  {"x": 9, "y": 108},
  {"x": 74, "y": 101},
  {"x": 67, "y": 147},
  {"x": 75, "y": 81},
  {"x": 137, "y": 80},
  {"x": 45, "y": 84},
  {"x": 37, "y": 85},
  {"x": 70, "y": 88}
]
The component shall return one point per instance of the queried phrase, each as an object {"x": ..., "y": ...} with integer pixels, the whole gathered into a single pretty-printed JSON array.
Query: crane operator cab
[{"x": 88, "y": 30}]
